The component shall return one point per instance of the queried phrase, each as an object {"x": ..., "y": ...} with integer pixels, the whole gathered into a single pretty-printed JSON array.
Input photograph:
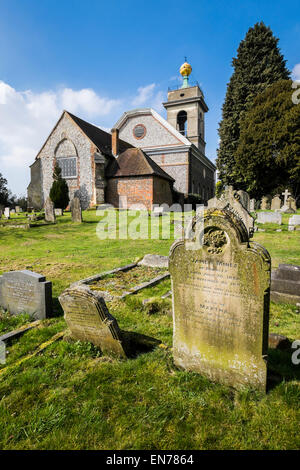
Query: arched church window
[
  {"x": 68, "y": 166},
  {"x": 182, "y": 122}
]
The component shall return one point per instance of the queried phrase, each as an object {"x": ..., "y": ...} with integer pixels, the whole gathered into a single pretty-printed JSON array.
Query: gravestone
[
  {"x": 88, "y": 319},
  {"x": 221, "y": 290},
  {"x": 252, "y": 205},
  {"x": 285, "y": 284},
  {"x": 294, "y": 221},
  {"x": 265, "y": 203},
  {"x": 244, "y": 199},
  {"x": 13, "y": 211},
  {"x": 17, "y": 209},
  {"x": 7, "y": 212},
  {"x": 276, "y": 203},
  {"x": 230, "y": 199},
  {"x": 285, "y": 206},
  {"x": 291, "y": 204},
  {"x": 49, "y": 211},
  {"x": 154, "y": 261},
  {"x": 58, "y": 212},
  {"x": 269, "y": 217},
  {"x": 26, "y": 292},
  {"x": 76, "y": 210}
]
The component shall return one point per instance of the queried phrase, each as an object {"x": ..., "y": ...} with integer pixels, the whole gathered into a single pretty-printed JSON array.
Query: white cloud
[
  {"x": 144, "y": 94},
  {"x": 87, "y": 101},
  {"x": 296, "y": 72},
  {"x": 26, "y": 119}
]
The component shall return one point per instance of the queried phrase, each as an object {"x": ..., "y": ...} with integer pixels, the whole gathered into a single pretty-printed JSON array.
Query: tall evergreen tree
[
  {"x": 268, "y": 154},
  {"x": 258, "y": 65},
  {"x": 59, "y": 192},
  {"x": 4, "y": 192}
]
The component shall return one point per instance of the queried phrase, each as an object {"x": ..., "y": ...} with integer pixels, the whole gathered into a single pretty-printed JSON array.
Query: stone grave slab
[
  {"x": 285, "y": 284},
  {"x": 221, "y": 291},
  {"x": 88, "y": 319},
  {"x": 26, "y": 292},
  {"x": 269, "y": 217}
]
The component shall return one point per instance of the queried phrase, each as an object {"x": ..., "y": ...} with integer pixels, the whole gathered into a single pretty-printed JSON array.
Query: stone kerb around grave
[{"x": 221, "y": 294}]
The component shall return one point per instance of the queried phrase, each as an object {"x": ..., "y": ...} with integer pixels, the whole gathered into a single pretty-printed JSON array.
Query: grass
[{"x": 71, "y": 397}]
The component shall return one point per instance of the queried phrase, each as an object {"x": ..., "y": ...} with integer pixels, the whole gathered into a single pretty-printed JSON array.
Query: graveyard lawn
[{"x": 71, "y": 397}]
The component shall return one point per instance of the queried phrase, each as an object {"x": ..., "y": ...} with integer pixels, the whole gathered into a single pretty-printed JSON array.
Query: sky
[{"x": 98, "y": 59}]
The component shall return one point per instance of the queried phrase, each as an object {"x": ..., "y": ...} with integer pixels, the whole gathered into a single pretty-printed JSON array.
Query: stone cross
[{"x": 286, "y": 194}]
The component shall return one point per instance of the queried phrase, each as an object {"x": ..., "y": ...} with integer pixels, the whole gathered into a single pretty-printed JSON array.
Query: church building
[{"x": 146, "y": 158}]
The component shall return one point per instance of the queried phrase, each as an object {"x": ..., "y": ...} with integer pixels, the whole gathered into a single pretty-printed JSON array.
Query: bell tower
[{"x": 186, "y": 109}]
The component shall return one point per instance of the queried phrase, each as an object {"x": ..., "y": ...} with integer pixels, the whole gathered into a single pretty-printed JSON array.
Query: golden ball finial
[{"x": 185, "y": 69}]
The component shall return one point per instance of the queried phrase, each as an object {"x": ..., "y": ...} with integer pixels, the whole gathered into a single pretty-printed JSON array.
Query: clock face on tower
[{"x": 139, "y": 131}]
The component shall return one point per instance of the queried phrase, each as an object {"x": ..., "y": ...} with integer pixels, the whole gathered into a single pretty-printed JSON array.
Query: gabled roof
[
  {"x": 100, "y": 138},
  {"x": 149, "y": 111},
  {"x": 135, "y": 162}
]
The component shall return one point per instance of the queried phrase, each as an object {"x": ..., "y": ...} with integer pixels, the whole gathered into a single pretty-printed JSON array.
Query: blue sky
[{"x": 99, "y": 58}]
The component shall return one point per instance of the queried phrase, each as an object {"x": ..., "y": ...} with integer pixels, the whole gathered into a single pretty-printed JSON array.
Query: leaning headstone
[
  {"x": 221, "y": 301},
  {"x": 285, "y": 284},
  {"x": 76, "y": 210},
  {"x": 269, "y": 217},
  {"x": 276, "y": 203},
  {"x": 7, "y": 212},
  {"x": 244, "y": 199},
  {"x": 49, "y": 211},
  {"x": 88, "y": 319},
  {"x": 252, "y": 205},
  {"x": 26, "y": 292},
  {"x": 265, "y": 203}
]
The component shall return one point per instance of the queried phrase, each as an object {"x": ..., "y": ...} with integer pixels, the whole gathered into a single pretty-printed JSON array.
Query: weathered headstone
[
  {"x": 276, "y": 203},
  {"x": 26, "y": 292},
  {"x": 76, "y": 210},
  {"x": 221, "y": 295},
  {"x": 230, "y": 199},
  {"x": 13, "y": 211},
  {"x": 252, "y": 205},
  {"x": 58, "y": 212},
  {"x": 265, "y": 203},
  {"x": 291, "y": 204},
  {"x": 244, "y": 199},
  {"x": 88, "y": 319},
  {"x": 269, "y": 217},
  {"x": 7, "y": 212},
  {"x": 17, "y": 209},
  {"x": 285, "y": 284},
  {"x": 49, "y": 211}
]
